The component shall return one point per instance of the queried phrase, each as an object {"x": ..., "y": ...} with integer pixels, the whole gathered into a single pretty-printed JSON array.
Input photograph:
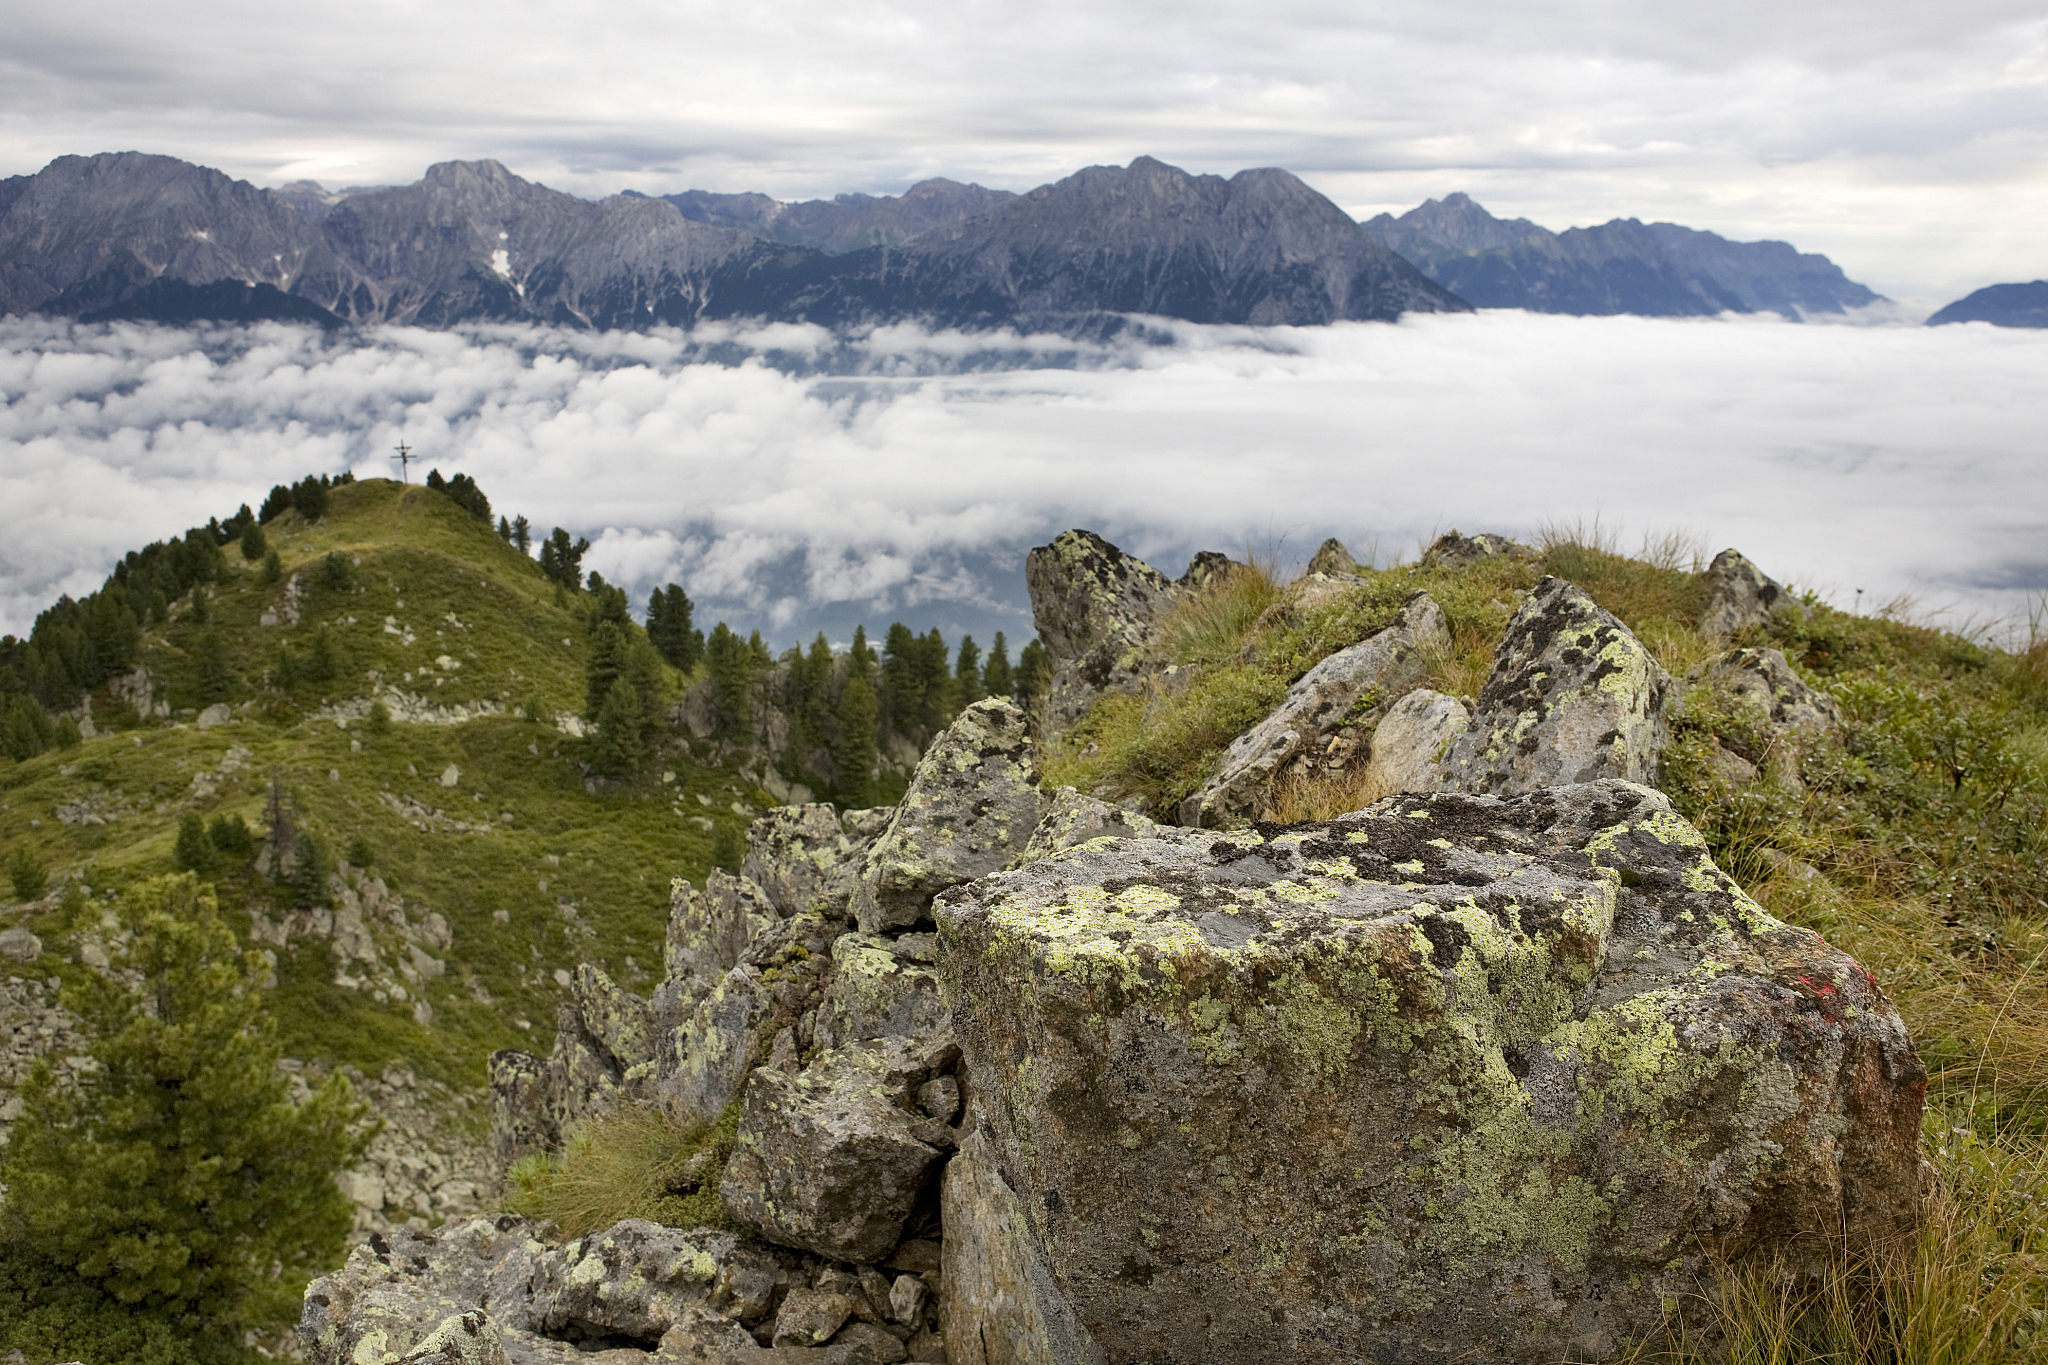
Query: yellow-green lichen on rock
[
  {"x": 1573, "y": 697},
  {"x": 1454, "y": 1073}
]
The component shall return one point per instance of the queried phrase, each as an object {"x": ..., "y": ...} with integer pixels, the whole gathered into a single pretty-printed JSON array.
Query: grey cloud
[{"x": 904, "y": 473}]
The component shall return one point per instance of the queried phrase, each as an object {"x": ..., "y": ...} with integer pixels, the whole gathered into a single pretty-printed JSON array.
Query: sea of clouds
[{"x": 794, "y": 480}]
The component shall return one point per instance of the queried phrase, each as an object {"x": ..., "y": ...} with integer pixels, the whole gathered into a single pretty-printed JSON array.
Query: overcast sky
[
  {"x": 1907, "y": 140},
  {"x": 1888, "y": 459}
]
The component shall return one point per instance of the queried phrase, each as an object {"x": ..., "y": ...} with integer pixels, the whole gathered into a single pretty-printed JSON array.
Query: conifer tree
[
  {"x": 854, "y": 738},
  {"x": 179, "y": 1178},
  {"x": 902, "y": 694},
  {"x": 967, "y": 680},
  {"x": 995, "y": 674},
  {"x": 562, "y": 561},
  {"x": 194, "y": 851},
  {"x": 216, "y": 668},
  {"x": 504, "y": 529},
  {"x": 522, "y": 534},
  {"x": 607, "y": 662},
  {"x": 668, "y": 626},
  {"x": 276, "y": 504},
  {"x": 732, "y": 678},
  {"x": 273, "y": 569},
  {"x": 617, "y": 748},
  {"x": 200, "y": 608},
  {"x": 309, "y": 498},
  {"x": 253, "y": 543},
  {"x": 1034, "y": 676},
  {"x": 936, "y": 683}
]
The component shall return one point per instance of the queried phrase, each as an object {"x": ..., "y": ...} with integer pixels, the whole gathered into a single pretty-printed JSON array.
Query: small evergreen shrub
[
  {"x": 254, "y": 546},
  {"x": 26, "y": 874}
]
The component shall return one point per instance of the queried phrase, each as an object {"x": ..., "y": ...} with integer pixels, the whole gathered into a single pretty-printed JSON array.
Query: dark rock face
[
  {"x": 1260, "y": 248},
  {"x": 845, "y": 222},
  {"x": 1623, "y": 266},
  {"x": 1093, "y": 606},
  {"x": 2001, "y": 305},
  {"x": 134, "y": 236},
  {"x": 1454, "y": 1078}
]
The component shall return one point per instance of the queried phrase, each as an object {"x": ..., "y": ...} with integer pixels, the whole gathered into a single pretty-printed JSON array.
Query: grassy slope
[{"x": 466, "y": 596}]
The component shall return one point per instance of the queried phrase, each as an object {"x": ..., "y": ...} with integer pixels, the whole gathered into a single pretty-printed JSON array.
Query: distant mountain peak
[{"x": 1621, "y": 266}]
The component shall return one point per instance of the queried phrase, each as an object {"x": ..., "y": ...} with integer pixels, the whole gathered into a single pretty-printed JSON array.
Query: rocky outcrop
[
  {"x": 1329, "y": 696},
  {"x": 808, "y": 857},
  {"x": 1094, "y": 606},
  {"x": 1332, "y": 559},
  {"x": 1072, "y": 819},
  {"x": 637, "y": 1293},
  {"x": 1458, "y": 1076},
  {"x": 1759, "y": 715},
  {"x": 1573, "y": 697},
  {"x": 1409, "y": 743},
  {"x": 1454, "y": 551},
  {"x": 832, "y": 1159},
  {"x": 1740, "y": 597},
  {"x": 971, "y": 808}
]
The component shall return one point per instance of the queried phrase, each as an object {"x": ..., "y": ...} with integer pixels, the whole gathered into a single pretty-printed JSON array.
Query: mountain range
[
  {"x": 1622, "y": 266},
  {"x": 133, "y": 236},
  {"x": 129, "y": 235}
]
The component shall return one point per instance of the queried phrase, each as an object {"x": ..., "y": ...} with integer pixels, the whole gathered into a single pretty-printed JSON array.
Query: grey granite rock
[
  {"x": 1740, "y": 596},
  {"x": 831, "y": 1159},
  {"x": 1376, "y": 669},
  {"x": 1573, "y": 697},
  {"x": 1410, "y": 742},
  {"x": 1455, "y": 1075},
  {"x": 971, "y": 808}
]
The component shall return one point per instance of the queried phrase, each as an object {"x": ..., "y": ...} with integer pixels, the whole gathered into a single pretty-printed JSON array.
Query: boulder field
[{"x": 1494, "y": 1069}]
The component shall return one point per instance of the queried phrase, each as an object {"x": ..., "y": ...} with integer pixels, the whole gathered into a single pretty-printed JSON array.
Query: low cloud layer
[{"x": 822, "y": 481}]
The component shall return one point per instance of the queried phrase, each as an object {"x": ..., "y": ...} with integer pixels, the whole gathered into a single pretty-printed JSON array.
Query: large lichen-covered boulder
[
  {"x": 522, "y": 1112},
  {"x": 1409, "y": 743},
  {"x": 489, "y": 1291},
  {"x": 1573, "y": 697},
  {"x": 831, "y": 1159},
  {"x": 972, "y": 805},
  {"x": 1093, "y": 606},
  {"x": 1383, "y": 666},
  {"x": 1001, "y": 1306},
  {"x": 708, "y": 932},
  {"x": 1755, "y": 716},
  {"x": 808, "y": 857},
  {"x": 1455, "y": 1077},
  {"x": 392, "y": 1293},
  {"x": 1740, "y": 596}
]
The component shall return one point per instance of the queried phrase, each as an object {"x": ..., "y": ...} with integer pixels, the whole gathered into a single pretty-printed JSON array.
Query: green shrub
[
  {"x": 334, "y": 572},
  {"x": 231, "y": 837},
  {"x": 273, "y": 569},
  {"x": 380, "y": 718},
  {"x": 48, "y": 1313},
  {"x": 27, "y": 874},
  {"x": 254, "y": 546},
  {"x": 180, "y": 1180}
]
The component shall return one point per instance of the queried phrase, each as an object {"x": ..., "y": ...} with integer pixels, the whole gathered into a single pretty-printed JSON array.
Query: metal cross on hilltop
[{"x": 404, "y": 458}]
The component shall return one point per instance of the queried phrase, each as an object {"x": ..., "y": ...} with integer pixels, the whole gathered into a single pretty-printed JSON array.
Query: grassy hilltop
[{"x": 533, "y": 866}]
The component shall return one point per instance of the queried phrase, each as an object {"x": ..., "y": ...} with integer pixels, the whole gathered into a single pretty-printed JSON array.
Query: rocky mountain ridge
[
  {"x": 134, "y": 236},
  {"x": 1622, "y": 266}
]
